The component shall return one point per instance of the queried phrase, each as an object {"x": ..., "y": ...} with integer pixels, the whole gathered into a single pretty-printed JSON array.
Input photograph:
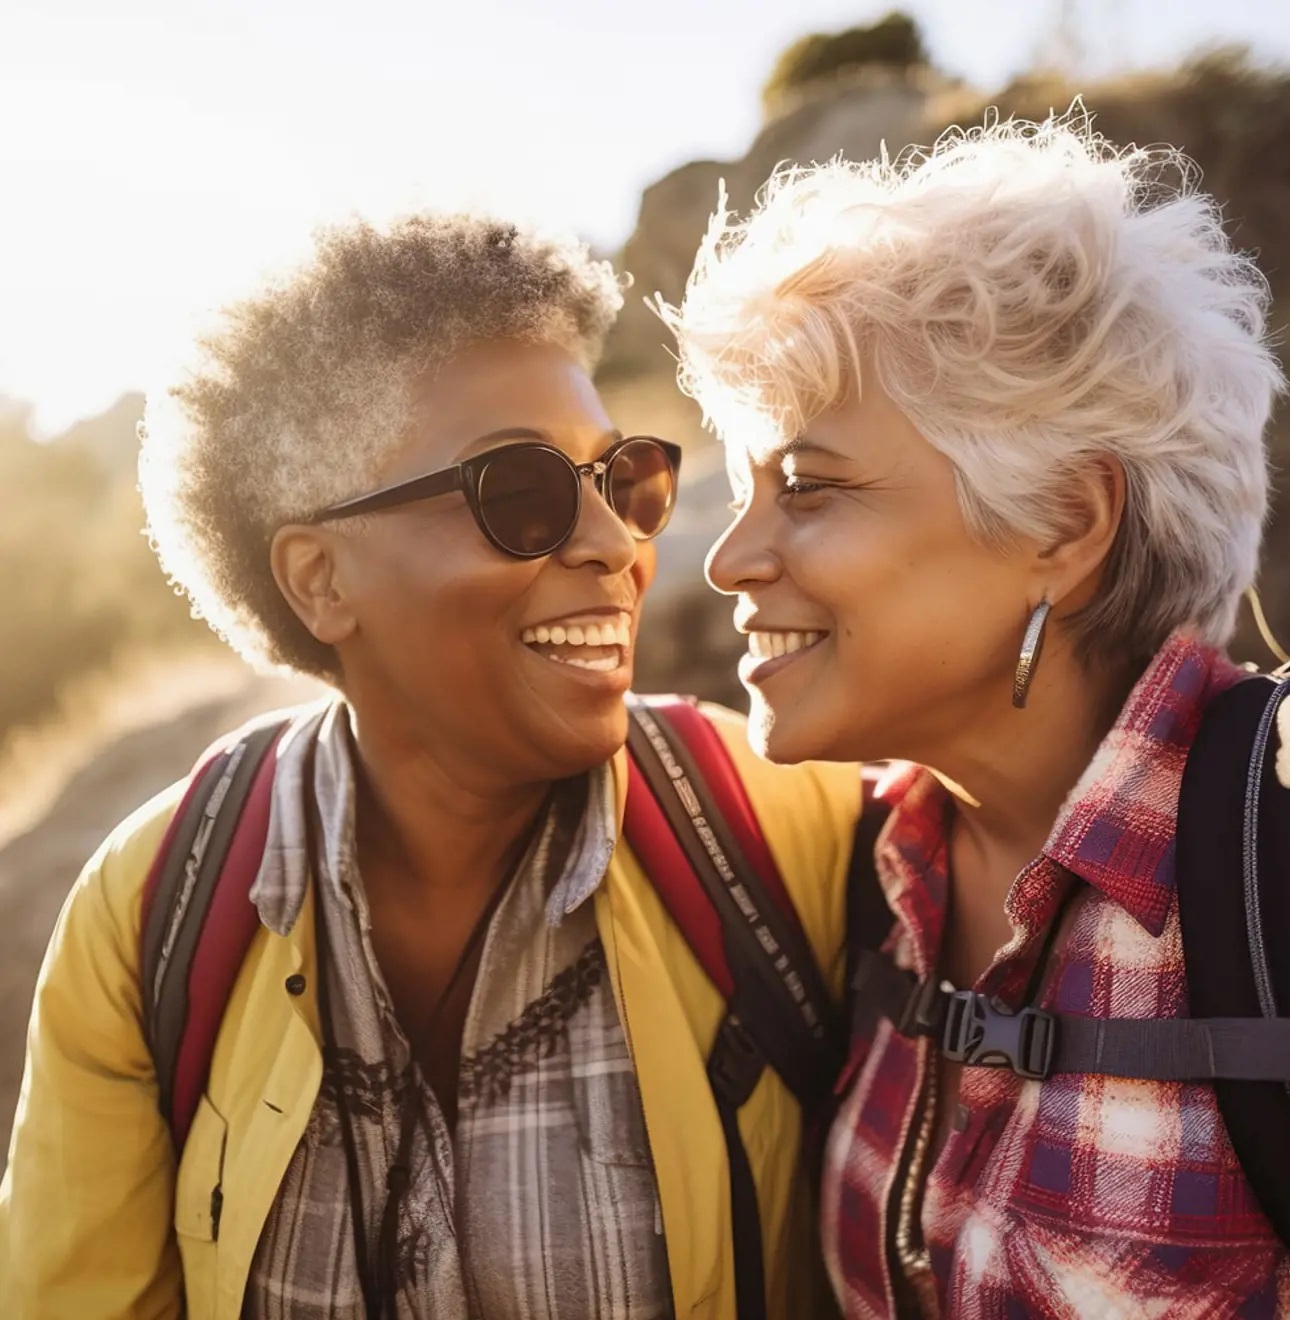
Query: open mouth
[
  {"x": 771, "y": 645},
  {"x": 770, "y": 651},
  {"x": 600, "y": 643}
]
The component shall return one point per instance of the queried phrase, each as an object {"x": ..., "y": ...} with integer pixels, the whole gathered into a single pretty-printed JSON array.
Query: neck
[
  {"x": 1012, "y": 770},
  {"x": 428, "y": 831}
]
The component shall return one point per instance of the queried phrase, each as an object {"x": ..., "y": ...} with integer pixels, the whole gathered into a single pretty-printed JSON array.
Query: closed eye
[{"x": 796, "y": 486}]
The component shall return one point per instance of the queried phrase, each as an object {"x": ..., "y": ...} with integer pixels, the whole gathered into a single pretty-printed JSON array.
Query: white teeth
[
  {"x": 610, "y": 633},
  {"x": 768, "y": 645},
  {"x": 604, "y": 664}
]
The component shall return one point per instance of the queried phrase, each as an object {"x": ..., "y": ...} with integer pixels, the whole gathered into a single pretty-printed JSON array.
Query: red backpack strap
[
  {"x": 689, "y": 822},
  {"x": 652, "y": 839},
  {"x": 692, "y": 826},
  {"x": 198, "y": 920}
]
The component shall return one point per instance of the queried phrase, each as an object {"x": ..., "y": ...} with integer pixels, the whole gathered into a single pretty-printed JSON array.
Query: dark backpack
[
  {"x": 1233, "y": 873},
  {"x": 688, "y": 821}
]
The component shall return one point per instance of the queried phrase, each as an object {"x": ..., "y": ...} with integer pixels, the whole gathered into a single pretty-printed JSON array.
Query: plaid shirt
[
  {"x": 1082, "y": 1195},
  {"x": 542, "y": 1204}
]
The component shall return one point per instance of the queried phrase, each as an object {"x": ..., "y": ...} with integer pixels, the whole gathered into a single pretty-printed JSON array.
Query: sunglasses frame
[{"x": 468, "y": 475}]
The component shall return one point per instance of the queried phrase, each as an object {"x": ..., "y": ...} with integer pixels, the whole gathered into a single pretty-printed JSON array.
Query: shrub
[{"x": 894, "y": 42}]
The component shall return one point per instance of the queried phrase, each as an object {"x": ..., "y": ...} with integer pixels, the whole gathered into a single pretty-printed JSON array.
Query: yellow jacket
[{"x": 95, "y": 1222}]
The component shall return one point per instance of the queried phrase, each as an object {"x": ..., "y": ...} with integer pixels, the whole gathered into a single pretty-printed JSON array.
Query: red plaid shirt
[{"x": 1081, "y": 1195}]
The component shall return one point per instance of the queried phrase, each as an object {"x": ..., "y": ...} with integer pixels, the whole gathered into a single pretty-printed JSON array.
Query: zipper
[
  {"x": 911, "y": 1252},
  {"x": 908, "y": 1260}
]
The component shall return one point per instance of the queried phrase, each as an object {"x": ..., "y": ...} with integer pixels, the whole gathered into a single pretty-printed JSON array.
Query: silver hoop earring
[{"x": 1031, "y": 646}]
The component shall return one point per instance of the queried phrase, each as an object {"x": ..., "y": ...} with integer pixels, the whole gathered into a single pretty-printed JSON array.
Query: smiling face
[
  {"x": 500, "y": 667},
  {"x": 879, "y": 626}
]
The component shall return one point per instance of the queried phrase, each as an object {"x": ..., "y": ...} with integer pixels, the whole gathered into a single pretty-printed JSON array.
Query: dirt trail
[{"x": 39, "y": 866}]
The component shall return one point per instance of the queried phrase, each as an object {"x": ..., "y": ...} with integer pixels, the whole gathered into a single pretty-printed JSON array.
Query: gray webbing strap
[
  {"x": 979, "y": 1032},
  {"x": 1175, "y": 1049}
]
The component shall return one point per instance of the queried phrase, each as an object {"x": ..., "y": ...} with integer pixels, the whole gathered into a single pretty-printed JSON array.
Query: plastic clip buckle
[
  {"x": 979, "y": 1034},
  {"x": 924, "y": 1010}
]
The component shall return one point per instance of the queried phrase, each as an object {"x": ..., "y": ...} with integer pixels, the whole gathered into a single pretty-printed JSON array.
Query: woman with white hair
[
  {"x": 994, "y": 418},
  {"x": 461, "y": 1063}
]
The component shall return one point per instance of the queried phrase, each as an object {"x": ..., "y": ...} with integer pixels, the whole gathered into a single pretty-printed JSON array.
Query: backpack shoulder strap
[
  {"x": 198, "y": 922},
  {"x": 1233, "y": 872},
  {"x": 690, "y": 823},
  {"x": 869, "y": 919}
]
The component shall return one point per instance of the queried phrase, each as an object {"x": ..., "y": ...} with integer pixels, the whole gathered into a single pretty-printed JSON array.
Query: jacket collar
[{"x": 1116, "y": 829}]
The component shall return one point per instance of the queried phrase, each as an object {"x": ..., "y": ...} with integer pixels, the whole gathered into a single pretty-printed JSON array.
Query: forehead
[
  {"x": 498, "y": 386},
  {"x": 753, "y": 439}
]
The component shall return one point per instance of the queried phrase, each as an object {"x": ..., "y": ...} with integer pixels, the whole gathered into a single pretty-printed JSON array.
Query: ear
[
  {"x": 1069, "y": 570},
  {"x": 304, "y": 566}
]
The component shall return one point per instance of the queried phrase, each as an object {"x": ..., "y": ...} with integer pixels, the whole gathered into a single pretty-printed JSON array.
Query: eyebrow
[
  {"x": 522, "y": 433},
  {"x": 799, "y": 444}
]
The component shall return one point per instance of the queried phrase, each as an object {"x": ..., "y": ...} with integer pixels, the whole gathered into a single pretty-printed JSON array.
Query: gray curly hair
[{"x": 302, "y": 392}]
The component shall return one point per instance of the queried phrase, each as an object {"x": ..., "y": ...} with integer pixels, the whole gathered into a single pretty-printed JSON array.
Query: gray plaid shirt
[{"x": 543, "y": 1204}]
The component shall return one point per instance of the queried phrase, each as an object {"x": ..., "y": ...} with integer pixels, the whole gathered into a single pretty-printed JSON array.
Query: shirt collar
[
  {"x": 594, "y": 841},
  {"x": 1116, "y": 828},
  {"x": 283, "y": 878}
]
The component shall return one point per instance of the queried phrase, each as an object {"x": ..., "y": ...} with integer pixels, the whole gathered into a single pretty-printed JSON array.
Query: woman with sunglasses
[{"x": 481, "y": 1090}]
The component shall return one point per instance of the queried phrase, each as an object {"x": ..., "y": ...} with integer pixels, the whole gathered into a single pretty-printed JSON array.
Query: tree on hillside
[{"x": 894, "y": 42}]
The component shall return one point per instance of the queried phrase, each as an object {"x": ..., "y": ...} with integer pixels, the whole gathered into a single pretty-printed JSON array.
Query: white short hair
[{"x": 1031, "y": 298}]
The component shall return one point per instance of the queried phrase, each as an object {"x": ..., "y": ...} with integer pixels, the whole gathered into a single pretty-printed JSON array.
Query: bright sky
[{"x": 156, "y": 154}]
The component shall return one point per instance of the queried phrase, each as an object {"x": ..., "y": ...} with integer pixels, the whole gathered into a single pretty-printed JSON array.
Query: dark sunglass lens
[
  {"x": 528, "y": 499},
  {"x": 641, "y": 487}
]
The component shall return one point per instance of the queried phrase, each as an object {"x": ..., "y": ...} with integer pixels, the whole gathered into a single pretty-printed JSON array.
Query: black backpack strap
[
  {"x": 869, "y": 919},
  {"x": 1233, "y": 868}
]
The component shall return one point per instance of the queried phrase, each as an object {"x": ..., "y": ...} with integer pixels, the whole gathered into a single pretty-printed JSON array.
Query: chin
[
  {"x": 589, "y": 740},
  {"x": 786, "y": 737}
]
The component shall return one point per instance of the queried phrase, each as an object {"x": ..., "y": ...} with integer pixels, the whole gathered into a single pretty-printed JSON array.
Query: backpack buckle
[
  {"x": 735, "y": 1064},
  {"x": 924, "y": 1011},
  {"x": 979, "y": 1033}
]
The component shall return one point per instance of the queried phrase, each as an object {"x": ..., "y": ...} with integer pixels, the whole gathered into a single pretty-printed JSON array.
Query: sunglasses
[{"x": 527, "y": 497}]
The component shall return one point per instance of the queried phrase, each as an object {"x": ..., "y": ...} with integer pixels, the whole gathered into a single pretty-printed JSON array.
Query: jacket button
[{"x": 295, "y": 984}]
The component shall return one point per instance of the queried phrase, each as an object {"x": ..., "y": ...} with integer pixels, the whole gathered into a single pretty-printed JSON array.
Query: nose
[
  {"x": 743, "y": 555},
  {"x": 601, "y": 537}
]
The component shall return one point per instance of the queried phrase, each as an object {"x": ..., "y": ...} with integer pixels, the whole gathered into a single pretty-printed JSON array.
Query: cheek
[
  {"x": 646, "y": 565},
  {"x": 904, "y": 586},
  {"x": 447, "y": 597}
]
